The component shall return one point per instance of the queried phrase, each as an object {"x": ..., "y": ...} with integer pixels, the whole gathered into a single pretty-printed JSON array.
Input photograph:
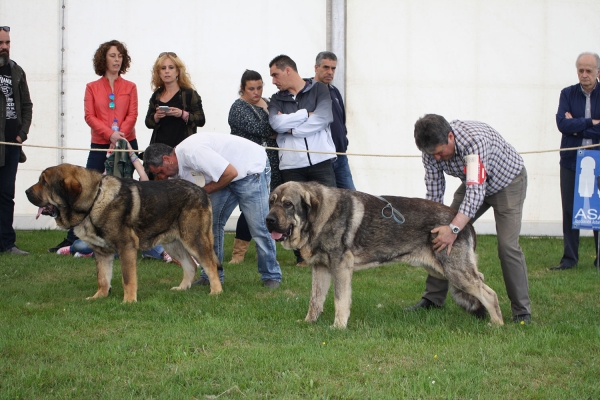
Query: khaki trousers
[{"x": 508, "y": 211}]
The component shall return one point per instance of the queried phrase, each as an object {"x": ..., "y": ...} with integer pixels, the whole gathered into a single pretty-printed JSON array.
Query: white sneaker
[
  {"x": 166, "y": 257},
  {"x": 81, "y": 255}
]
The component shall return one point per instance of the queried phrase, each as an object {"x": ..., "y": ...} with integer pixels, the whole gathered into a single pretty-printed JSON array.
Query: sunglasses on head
[
  {"x": 112, "y": 100},
  {"x": 5, "y": 28},
  {"x": 168, "y": 53}
]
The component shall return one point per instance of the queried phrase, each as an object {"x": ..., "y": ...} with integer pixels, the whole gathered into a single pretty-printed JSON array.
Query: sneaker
[
  {"x": 16, "y": 251},
  {"x": 64, "y": 243},
  {"x": 82, "y": 255},
  {"x": 166, "y": 257},
  {"x": 64, "y": 251}
]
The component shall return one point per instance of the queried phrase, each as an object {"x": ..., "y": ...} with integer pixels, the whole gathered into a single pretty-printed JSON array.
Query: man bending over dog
[
  {"x": 495, "y": 176},
  {"x": 236, "y": 171}
]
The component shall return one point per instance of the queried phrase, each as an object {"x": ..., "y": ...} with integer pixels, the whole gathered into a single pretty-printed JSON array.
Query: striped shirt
[{"x": 501, "y": 161}]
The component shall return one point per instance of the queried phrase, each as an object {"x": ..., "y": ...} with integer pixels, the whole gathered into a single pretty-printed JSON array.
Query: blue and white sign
[{"x": 586, "y": 200}]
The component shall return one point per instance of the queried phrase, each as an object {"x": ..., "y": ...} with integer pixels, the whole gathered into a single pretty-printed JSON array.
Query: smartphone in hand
[{"x": 163, "y": 108}]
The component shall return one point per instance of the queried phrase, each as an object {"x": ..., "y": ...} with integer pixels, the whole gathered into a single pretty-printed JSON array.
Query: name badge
[{"x": 474, "y": 170}]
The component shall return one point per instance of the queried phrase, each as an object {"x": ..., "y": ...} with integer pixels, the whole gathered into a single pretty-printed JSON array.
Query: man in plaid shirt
[{"x": 502, "y": 186}]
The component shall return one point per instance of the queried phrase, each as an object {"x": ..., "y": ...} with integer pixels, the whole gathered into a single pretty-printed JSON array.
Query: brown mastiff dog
[
  {"x": 340, "y": 231},
  {"x": 115, "y": 215}
]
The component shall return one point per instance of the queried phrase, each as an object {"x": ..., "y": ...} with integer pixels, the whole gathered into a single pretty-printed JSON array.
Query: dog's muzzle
[
  {"x": 49, "y": 209},
  {"x": 275, "y": 232},
  {"x": 280, "y": 237}
]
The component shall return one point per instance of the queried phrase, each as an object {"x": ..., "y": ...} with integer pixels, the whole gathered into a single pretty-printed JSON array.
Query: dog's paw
[
  {"x": 133, "y": 300},
  {"x": 181, "y": 287},
  {"x": 340, "y": 327},
  {"x": 310, "y": 318},
  {"x": 99, "y": 294}
]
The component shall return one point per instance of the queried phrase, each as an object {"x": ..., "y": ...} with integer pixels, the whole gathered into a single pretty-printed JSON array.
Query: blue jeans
[
  {"x": 8, "y": 175},
  {"x": 155, "y": 252},
  {"x": 252, "y": 195},
  {"x": 343, "y": 176},
  {"x": 79, "y": 246}
]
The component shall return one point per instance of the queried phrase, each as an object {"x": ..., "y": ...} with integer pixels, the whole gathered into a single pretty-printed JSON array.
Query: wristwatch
[{"x": 455, "y": 229}]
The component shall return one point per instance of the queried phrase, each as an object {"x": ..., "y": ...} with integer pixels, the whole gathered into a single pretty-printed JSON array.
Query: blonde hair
[{"x": 184, "y": 79}]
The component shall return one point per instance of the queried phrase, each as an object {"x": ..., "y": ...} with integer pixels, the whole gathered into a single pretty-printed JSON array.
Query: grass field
[{"x": 252, "y": 343}]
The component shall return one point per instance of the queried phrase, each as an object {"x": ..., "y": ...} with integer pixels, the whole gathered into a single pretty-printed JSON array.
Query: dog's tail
[{"x": 470, "y": 303}]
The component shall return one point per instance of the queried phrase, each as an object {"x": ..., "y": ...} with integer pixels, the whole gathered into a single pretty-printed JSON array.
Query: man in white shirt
[{"x": 233, "y": 171}]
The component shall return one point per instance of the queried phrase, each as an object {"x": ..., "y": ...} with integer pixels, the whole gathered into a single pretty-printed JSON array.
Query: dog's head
[
  {"x": 293, "y": 207},
  {"x": 65, "y": 192}
]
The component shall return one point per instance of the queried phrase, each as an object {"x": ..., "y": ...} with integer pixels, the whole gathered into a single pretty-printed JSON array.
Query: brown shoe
[{"x": 239, "y": 251}]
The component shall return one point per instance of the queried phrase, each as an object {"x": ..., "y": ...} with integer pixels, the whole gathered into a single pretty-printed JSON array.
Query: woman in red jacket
[{"x": 109, "y": 100}]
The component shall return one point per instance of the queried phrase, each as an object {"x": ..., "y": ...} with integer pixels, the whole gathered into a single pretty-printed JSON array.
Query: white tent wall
[
  {"x": 501, "y": 62},
  {"x": 217, "y": 40}
]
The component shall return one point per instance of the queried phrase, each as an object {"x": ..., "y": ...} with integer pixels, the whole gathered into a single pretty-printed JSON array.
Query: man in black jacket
[
  {"x": 325, "y": 66},
  {"x": 15, "y": 118}
]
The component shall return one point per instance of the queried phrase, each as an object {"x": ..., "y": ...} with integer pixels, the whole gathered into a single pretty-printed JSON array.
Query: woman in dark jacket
[
  {"x": 249, "y": 118},
  {"x": 175, "y": 108}
]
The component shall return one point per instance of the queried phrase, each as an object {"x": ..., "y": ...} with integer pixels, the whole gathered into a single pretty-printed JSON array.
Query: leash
[{"x": 393, "y": 213}]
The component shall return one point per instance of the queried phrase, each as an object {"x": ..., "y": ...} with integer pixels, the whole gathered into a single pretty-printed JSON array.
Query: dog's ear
[
  {"x": 312, "y": 204},
  {"x": 72, "y": 189},
  {"x": 273, "y": 198}
]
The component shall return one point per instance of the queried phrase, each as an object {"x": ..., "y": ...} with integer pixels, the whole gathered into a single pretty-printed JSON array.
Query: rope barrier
[{"x": 299, "y": 151}]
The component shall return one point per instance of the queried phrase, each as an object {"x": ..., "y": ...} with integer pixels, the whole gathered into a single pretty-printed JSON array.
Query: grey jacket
[
  {"x": 23, "y": 105},
  {"x": 307, "y": 133}
]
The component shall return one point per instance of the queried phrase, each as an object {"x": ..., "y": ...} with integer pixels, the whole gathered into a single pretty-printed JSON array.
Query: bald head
[{"x": 588, "y": 65}]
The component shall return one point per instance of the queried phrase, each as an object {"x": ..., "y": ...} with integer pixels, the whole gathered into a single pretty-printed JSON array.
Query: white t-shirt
[{"x": 210, "y": 153}]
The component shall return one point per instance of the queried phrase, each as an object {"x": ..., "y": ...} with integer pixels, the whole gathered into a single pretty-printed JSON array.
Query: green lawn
[{"x": 252, "y": 343}]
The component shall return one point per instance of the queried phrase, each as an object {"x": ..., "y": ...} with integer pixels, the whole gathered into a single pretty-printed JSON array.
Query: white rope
[{"x": 298, "y": 151}]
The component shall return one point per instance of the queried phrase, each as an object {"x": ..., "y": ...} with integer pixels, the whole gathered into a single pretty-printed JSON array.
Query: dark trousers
[
  {"x": 570, "y": 236},
  {"x": 508, "y": 211},
  {"x": 321, "y": 172},
  {"x": 8, "y": 175},
  {"x": 242, "y": 231}
]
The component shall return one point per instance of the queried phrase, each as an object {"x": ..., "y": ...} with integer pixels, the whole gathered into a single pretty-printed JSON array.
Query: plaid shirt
[{"x": 501, "y": 161}]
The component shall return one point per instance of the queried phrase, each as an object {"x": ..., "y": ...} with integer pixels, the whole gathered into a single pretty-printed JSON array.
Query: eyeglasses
[
  {"x": 168, "y": 53},
  {"x": 112, "y": 100},
  {"x": 7, "y": 29}
]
